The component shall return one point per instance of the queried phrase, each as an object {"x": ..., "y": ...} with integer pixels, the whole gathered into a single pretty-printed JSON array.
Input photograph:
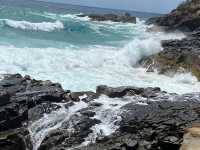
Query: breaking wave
[{"x": 41, "y": 26}]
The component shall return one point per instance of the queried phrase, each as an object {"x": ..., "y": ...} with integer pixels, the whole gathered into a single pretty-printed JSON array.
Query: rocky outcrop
[
  {"x": 127, "y": 18},
  {"x": 151, "y": 126},
  {"x": 19, "y": 95},
  {"x": 140, "y": 118},
  {"x": 178, "y": 55},
  {"x": 186, "y": 17}
]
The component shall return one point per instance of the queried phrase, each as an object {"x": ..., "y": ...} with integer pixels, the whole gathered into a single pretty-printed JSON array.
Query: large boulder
[{"x": 186, "y": 17}]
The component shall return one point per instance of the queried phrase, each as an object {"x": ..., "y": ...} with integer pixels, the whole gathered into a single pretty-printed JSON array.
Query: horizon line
[{"x": 103, "y": 7}]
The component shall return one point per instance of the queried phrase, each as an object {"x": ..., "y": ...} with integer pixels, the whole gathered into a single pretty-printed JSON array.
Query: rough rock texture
[
  {"x": 18, "y": 96},
  {"x": 185, "y": 17},
  {"x": 158, "y": 125},
  {"x": 150, "y": 118},
  {"x": 178, "y": 55},
  {"x": 127, "y": 18}
]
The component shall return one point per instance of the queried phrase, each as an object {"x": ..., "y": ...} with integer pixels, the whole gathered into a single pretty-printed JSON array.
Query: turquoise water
[{"x": 54, "y": 43}]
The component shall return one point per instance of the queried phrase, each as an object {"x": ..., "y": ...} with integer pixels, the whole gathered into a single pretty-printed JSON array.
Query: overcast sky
[{"x": 159, "y": 6}]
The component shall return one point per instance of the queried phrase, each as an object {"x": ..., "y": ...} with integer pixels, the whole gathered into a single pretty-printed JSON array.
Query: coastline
[
  {"x": 148, "y": 117},
  {"x": 178, "y": 55},
  {"x": 41, "y": 115}
]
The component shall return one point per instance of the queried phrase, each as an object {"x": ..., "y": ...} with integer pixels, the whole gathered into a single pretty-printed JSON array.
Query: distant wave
[
  {"x": 62, "y": 17},
  {"x": 42, "y": 26}
]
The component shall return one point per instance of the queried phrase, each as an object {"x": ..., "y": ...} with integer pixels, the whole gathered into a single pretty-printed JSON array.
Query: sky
[{"x": 157, "y": 6}]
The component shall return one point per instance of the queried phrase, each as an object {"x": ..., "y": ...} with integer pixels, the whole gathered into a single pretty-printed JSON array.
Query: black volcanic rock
[
  {"x": 150, "y": 119},
  {"x": 183, "y": 55},
  {"x": 20, "y": 98},
  {"x": 65, "y": 138},
  {"x": 18, "y": 139},
  {"x": 186, "y": 17},
  {"x": 177, "y": 56},
  {"x": 126, "y": 91},
  {"x": 127, "y": 18},
  {"x": 158, "y": 125}
]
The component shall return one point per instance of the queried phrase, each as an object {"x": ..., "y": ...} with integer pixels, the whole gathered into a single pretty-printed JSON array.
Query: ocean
[{"x": 50, "y": 42}]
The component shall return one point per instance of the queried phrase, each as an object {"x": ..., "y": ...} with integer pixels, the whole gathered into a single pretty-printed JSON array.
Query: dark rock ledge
[
  {"x": 126, "y": 18},
  {"x": 159, "y": 124},
  {"x": 178, "y": 55}
]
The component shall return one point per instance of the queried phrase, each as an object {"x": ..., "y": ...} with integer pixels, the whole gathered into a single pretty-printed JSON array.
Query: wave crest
[{"x": 42, "y": 26}]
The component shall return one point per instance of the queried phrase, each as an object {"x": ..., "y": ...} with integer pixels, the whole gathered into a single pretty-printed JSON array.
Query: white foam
[
  {"x": 109, "y": 115},
  {"x": 42, "y": 26},
  {"x": 84, "y": 69},
  {"x": 63, "y": 17},
  {"x": 148, "y": 45},
  {"x": 49, "y": 122}
]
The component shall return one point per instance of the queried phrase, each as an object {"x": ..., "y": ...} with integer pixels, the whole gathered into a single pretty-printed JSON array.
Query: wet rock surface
[
  {"x": 127, "y": 18},
  {"x": 139, "y": 118},
  {"x": 186, "y": 17},
  {"x": 178, "y": 56},
  {"x": 144, "y": 129}
]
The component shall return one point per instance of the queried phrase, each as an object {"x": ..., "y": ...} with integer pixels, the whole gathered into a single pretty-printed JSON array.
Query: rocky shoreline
[
  {"x": 41, "y": 115},
  {"x": 178, "y": 55},
  {"x": 126, "y": 18},
  {"x": 149, "y": 118}
]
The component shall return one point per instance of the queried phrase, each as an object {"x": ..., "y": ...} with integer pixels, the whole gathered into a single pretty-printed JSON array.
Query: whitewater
[{"x": 81, "y": 54}]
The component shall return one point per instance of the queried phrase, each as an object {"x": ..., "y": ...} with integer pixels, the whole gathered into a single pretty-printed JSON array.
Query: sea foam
[
  {"x": 42, "y": 26},
  {"x": 83, "y": 67}
]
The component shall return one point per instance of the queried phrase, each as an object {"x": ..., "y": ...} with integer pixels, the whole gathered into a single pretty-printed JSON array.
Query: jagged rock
[
  {"x": 112, "y": 17},
  {"x": 38, "y": 111},
  {"x": 71, "y": 133},
  {"x": 17, "y": 139},
  {"x": 177, "y": 56},
  {"x": 86, "y": 96},
  {"x": 158, "y": 125},
  {"x": 22, "y": 98},
  {"x": 126, "y": 91},
  {"x": 186, "y": 17},
  {"x": 118, "y": 92},
  {"x": 149, "y": 119},
  {"x": 4, "y": 98}
]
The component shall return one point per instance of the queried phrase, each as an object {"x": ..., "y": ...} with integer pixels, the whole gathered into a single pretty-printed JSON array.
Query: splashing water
[
  {"x": 81, "y": 54},
  {"x": 49, "y": 122}
]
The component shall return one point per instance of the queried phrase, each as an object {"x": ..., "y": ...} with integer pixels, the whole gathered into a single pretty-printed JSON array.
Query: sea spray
[
  {"x": 148, "y": 45},
  {"x": 49, "y": 122},
  {"x": 84, "y": 53},
  {"x": 41, "y": 26}
]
